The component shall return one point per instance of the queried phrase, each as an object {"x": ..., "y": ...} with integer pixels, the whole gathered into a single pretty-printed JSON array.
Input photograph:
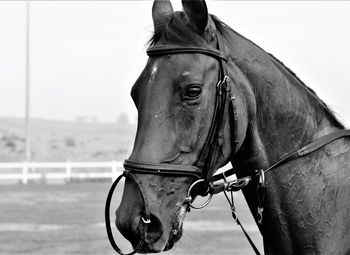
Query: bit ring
[{"x": 190, "y": 200}]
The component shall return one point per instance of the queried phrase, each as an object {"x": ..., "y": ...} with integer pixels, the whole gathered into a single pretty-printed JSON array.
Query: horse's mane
[
  {"x": 176, "y": 30},
  {"x": 284, "y": 69}
]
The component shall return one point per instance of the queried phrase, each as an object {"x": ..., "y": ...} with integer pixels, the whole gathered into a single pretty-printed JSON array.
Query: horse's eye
[{"x": 193, "y": 92}]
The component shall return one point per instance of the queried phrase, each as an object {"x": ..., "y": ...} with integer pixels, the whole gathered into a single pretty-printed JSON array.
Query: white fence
[{"x": 30, "y": 170}]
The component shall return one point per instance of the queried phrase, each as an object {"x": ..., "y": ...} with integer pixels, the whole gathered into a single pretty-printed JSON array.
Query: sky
[{"x": 86, "y": 55}]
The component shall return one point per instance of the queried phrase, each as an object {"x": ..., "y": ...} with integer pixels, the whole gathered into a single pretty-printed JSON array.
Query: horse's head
[{"x": 176, "y": 98}]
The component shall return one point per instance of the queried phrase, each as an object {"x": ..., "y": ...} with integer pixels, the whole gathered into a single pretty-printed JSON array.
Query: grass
[{"x": 69, "y": 219}]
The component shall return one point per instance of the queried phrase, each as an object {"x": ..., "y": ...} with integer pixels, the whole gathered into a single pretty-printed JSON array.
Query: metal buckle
[{"x": 221, "y": 82}]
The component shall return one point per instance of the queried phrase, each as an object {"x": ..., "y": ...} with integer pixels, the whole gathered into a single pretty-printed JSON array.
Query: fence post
[
  {"x": 25, "y": 173},
  {"x": 68, "y": 172}
]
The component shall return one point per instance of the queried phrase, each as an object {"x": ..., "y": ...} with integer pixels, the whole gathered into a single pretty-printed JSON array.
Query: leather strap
[
  {"x": 322, "y": 141},
  {"x": 235, "y": 218},
  {"x": 313, "y": 146},
  {"x": 108, "y": 222},
  {"x": 248, "y": 237},
  {"x": 162, "y": 169}
]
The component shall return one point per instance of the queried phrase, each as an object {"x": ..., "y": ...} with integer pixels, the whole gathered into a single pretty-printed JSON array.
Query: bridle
[
  {"x": 203, "y": 184},
  {"x": 207, "y": 159}
]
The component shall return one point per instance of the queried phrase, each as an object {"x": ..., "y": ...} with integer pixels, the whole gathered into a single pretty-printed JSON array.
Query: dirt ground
[{"x": 69, "y": 219}]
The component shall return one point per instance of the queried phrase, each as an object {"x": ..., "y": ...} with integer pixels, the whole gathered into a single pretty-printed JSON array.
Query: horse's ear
[
  {"x": 197, "y": 11},
  {"x": 160, "y": 11}
]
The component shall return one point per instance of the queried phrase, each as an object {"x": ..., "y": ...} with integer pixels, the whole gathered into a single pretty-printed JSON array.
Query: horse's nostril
[{"x": 154, "y": 229}]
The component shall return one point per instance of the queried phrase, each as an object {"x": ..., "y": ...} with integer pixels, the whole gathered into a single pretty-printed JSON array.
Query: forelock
[{"x": 176, "y": 29}]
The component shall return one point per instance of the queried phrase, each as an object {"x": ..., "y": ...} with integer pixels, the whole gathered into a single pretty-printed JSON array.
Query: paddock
[{"x": 68, "y": 219}]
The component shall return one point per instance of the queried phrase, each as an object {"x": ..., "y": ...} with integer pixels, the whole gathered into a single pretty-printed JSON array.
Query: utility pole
[{"x": 27, "y": 93}]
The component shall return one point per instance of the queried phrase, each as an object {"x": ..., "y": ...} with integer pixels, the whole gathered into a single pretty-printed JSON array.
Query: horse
[{"x": 208, "y": 96}]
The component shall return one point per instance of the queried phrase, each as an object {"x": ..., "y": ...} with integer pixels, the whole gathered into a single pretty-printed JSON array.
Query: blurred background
[{"x": 68, "y": 66}]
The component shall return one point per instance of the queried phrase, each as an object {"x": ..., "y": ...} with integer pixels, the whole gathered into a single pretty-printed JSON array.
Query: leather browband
[{"x": 178, "y": 49}]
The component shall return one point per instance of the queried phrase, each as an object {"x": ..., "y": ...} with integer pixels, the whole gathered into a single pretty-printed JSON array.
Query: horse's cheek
[{"x": 184, "y": 122}]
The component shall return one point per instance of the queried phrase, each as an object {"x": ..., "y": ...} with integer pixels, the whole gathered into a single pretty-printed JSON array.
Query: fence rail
[{"x": 29, "y": 170}]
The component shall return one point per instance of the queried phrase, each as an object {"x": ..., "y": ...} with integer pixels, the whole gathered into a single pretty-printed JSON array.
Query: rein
[{"x": 203, "y": 184}]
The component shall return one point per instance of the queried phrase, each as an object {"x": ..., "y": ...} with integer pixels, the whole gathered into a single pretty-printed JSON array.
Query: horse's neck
[{"x": 288, "y": 116}]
